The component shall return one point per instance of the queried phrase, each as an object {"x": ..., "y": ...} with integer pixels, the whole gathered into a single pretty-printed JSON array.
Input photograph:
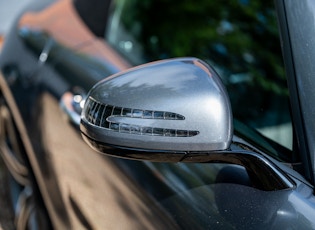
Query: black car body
[{"x": 57, "y": 51}]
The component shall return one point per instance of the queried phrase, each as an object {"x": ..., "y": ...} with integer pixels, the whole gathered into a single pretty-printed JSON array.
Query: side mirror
[
  {"x": 170, "y": 111},
  {"x": 159, "y": 111}
]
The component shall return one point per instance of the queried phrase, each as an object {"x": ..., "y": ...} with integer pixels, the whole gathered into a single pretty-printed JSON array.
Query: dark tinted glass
[{"x": 239, "y": 38}]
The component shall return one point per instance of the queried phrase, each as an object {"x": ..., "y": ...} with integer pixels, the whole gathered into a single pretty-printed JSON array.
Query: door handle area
[{"x": 72, "y": 104}]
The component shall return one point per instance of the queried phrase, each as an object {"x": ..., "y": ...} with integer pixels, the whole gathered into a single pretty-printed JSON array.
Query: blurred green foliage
[{"x": 238, "y": 37}]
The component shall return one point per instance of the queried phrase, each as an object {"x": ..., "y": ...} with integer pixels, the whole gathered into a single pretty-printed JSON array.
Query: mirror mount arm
[{"x": 264, "y": 174}]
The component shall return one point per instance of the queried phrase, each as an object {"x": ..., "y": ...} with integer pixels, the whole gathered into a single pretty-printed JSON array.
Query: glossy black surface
[
  {"x": 50, "y": 53},
  {"x": 298, "y": 45}
]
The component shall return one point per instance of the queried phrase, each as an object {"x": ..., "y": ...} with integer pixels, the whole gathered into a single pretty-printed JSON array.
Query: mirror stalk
[{"x": 263, "y": 173}]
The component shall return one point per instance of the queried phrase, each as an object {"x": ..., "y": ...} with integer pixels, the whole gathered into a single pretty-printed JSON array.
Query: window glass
[{"x": 239, "y": 38}]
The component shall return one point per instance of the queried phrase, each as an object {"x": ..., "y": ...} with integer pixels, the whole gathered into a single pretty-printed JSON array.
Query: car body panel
[
  {"x": 91, "y": 197},
  {"x": 82, "y": 189}
]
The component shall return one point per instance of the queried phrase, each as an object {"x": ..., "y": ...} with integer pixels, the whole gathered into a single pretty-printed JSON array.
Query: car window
[{"x": 239, "y": 38}]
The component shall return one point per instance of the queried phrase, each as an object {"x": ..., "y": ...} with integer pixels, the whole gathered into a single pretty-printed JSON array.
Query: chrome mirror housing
[
  {"x": 175, "y": 110},
  {"x": 166, "y": 107}
]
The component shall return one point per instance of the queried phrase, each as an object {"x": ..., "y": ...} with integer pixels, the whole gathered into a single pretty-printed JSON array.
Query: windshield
[{"x": 239, "y": 38}]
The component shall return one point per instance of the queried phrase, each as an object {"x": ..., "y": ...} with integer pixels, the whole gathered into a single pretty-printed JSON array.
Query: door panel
[
  {"x": 92, "y": 189},
  {"x": 83, "y": 189}
]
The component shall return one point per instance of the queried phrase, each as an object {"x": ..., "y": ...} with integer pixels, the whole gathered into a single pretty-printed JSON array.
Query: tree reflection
[{"x": 239, "y": 37}]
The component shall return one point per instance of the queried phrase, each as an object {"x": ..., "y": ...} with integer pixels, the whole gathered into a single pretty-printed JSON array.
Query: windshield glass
[{"x": 239, "y": 38}]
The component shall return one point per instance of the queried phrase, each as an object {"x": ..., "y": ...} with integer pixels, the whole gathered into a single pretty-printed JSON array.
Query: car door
[
  {"x": 79, "y": 189},
  {"x": 252, "y": 69},
  {"x": 84, "y": 189}
]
